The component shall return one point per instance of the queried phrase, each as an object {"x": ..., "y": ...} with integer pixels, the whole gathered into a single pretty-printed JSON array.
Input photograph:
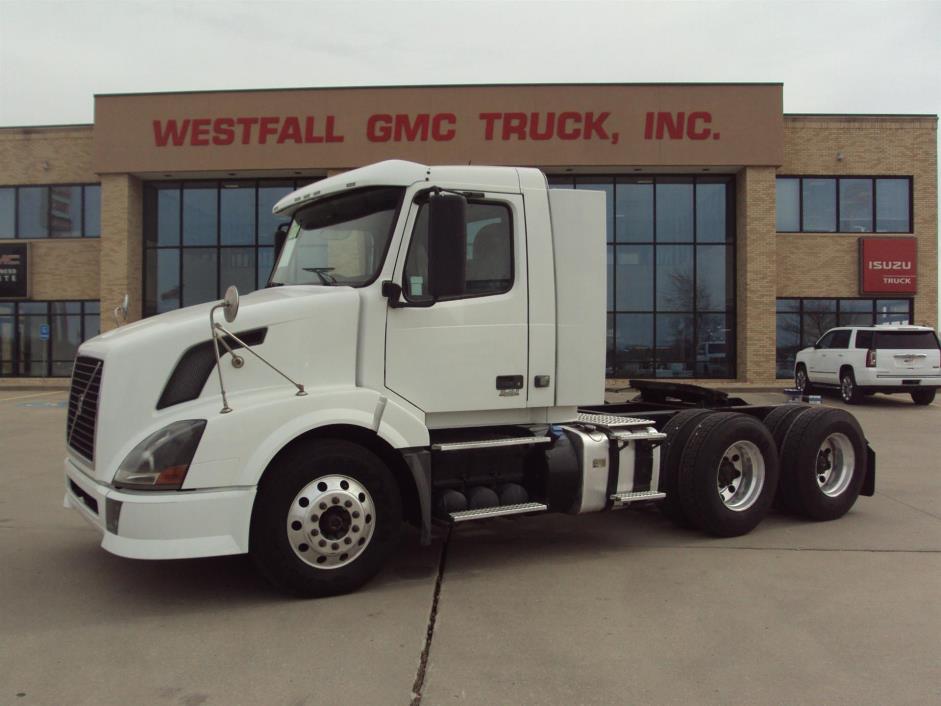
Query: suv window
[
  {"x": 897, "y": 340},
  {"x": 841, "y": 339},
  {"x": 489, "y": 263},
  {"x": 864, "y": 339},
  {"x": 825, "y": 340}
]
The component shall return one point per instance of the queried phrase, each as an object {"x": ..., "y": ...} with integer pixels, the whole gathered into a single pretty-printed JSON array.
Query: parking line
[{"x": 35, "y": 394}]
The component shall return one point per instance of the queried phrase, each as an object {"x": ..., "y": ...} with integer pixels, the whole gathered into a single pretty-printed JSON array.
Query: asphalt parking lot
[{"x": 600, "y": 609}]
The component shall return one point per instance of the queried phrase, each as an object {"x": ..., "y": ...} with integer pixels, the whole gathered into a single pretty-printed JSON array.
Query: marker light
[{"x": 160, "y": 461}]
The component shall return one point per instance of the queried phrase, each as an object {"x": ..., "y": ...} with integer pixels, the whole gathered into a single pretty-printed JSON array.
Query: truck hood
[{"x": 309, "y": 333}]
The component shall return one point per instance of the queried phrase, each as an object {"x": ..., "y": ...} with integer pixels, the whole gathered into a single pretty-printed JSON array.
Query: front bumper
[{"x": 162, "y": 525}]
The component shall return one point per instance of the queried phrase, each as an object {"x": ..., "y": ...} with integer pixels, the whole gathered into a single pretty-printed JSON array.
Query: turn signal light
[{"x": 871, "y": 358}]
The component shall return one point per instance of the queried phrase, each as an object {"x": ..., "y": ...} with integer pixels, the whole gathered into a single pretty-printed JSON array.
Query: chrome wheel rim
[
  {"x": 330, "y": 522},
  {"x": 741, "y": 476},
  {"x": 800, "y": 379},
  {"x": 836, "y": 462},
  {"x": 846, "y": 386}
]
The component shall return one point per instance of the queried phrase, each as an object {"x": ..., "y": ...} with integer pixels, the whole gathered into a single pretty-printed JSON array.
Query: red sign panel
[{"x": 887, "y": 266}]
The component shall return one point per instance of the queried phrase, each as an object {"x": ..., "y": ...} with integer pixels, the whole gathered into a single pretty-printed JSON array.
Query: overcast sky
[{"x": 872, "y": 57}]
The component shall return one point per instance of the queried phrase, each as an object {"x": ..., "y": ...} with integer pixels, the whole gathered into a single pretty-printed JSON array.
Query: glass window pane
[
  {"x": 66, "y": 335},
  {"x": 674, "y": 278},
  {"x": 237, "y": 266},
  {"x": 92, "y": 211},
  {"x": 34, "y": 352},
  {"x": 33, "y": 205},
  {"x": 268, "y": 223},
  {"x": 237, "y": 214},
  {"x": 714, "y": 284},
  {"x": 892, "y": 206},
  {"x": 634, "y": 346},
  {"x": 610, "y": 277},
  {"x": 788, "y": 343},
  {"x": 634, "y": 273},
  {"x": 92, "y": 307},
  {"x": 607, "y": 186},
  {"x": 265, "y": 265},
  {"x": 711, "y": 212},
  {"x": 33, "y": 308},
  {"x": 7, "y": 212},
  {"x": 163, "y": 281},
  {"x": 6, "y": 345},
  {"x": 893, "y": 311},
  {"x": 199, "y": 275},
  {"x": 634, "y": 211},
  {"x": 819, "y": 205},
  {"x": 92, "y": 326},
  {"x": 715, "y": 346},
  {"x": 856, "y": 205},
  {"x": 65, "y": 307},
  {"x": 856, "y": 312},
  {"x": 788, "y": 205},
  {"x": 819, "y": 317},
  {"x": 168, "y": 216},
  {"x": 199, "y": 216},
  {"x": 65, "y": 211},
  {"x": 856, "y": 305},
  {"x": 609, "y": 365},
  {"x": 561, "y": 182},
  {"x": 674, "y": 211},
  {"x": 850, "y": 319},
  {"x": 674, "y": 355},
  {"x": 788, "y": 304}
]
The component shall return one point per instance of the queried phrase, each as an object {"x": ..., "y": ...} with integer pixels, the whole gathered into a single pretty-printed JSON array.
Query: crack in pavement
[
  {"x": 916, "y": 509},
  {"x": 430, "y": 632}
]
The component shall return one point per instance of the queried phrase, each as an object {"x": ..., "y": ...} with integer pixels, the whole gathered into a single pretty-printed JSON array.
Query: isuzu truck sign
[
  {"x": 14, "y": 270},
  {"x": 887, "y": 266}
]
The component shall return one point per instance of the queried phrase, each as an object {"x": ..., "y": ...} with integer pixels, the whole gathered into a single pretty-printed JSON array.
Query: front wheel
[
  {"x": 326, "y": 516},
  {"x": 801, "y": 381},
  {"x": 923, "y": 397}
]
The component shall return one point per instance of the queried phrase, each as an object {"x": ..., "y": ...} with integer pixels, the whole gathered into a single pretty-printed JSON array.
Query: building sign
[
  {"x": 887, "y": 266},
  {"x": 14, "y": 270},
  {"x": 576, "y": 125}
]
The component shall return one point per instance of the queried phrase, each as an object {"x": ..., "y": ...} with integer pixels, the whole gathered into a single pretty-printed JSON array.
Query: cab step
[
  {"x": 499, "y": 511},
  {"x": 625, "y": 499},
  {"x": 490, "y": 443}
]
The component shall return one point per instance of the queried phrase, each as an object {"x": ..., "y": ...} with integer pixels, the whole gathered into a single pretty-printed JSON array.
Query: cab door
[{"x": 467, "y": 352}]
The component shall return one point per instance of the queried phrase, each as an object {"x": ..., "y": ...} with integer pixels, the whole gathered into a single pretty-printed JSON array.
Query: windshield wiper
[{"x": 323, "y": 273}]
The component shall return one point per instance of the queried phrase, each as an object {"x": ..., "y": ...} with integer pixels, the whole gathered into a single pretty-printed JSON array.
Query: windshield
[{"x": 341, "y": 240}]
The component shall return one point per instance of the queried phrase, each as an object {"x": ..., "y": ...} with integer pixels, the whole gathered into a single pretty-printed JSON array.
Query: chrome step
[
  {"x": 622, "y": 499},
  {"x": 490, "y": 443},
  {"x": 485, "y": 512},
  {"x": 611, "y": 420},
  {"x": 648, "y": 435}
]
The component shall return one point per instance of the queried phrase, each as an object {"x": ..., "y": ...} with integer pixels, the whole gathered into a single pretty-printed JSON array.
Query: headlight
[{"x": 160, "y": 461}]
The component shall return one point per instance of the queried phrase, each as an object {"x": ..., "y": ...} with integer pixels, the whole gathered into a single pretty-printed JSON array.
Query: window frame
[
  {"x": 426, "y": 300},
  {"x": 48, "y": 187},
  {"x": 83, "y": 315},
  {"x": 873, "y": 178}
]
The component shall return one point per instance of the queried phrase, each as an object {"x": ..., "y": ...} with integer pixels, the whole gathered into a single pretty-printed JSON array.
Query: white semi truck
[{"x": 430, "y": 348}]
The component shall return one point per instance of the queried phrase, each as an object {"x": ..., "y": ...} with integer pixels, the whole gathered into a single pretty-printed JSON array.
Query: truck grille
[{"x": 83, "y": 406}]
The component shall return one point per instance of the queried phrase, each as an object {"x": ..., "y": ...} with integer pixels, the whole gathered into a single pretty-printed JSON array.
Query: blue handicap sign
[{"x": 43, "y": 332}]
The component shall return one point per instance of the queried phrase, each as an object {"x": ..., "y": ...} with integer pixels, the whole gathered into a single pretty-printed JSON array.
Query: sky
[{"x": 833, "y": 57}]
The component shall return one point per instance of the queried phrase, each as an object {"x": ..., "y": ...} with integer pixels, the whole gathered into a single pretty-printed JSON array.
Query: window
[
  {"x": 671, "y": 269},
  {"x": 40, "y": 339},
  {"x": 200, "y": 237},
  {"x": 844, "y": 204},
  {"x": 489, "y": 256},
  {"x": 59, "y": 211},
  {"x": 801, "y": 322}
]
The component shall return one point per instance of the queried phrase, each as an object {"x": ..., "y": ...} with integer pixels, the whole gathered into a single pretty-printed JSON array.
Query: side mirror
[
  {"x": 120, "y": 311},
  {"x": 280, "y": 237},
  {"x": 447, "y": 244},
  {"x": 230, "y": 304}
]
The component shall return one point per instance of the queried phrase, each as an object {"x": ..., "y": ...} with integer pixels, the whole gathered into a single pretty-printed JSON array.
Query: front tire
[
  {"x": 923, "y": 397},
  {"x": 848, "y": 389},
  {"x": 801, "y": 381},
  {"x": 728, "y": 474},
  {"x": 326, "y": 516}
]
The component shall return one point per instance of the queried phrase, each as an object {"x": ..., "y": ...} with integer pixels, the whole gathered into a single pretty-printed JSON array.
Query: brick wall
[{"x": 827, "y": 265}]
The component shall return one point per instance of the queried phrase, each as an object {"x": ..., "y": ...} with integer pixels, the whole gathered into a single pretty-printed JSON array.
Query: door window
[
  {"x": 841, "y": 339},
  {"x": 826, "y": 340},
  {"x": 489, "y": 255}
]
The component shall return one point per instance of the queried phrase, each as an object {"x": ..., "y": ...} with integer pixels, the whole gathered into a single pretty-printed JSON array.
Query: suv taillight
[{"x": 871, "y": 358}]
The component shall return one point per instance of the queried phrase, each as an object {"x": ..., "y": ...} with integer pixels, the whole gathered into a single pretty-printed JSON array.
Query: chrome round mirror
[
  {"x": 230, "y": 303},
  {"x": 125, "y": 304}
]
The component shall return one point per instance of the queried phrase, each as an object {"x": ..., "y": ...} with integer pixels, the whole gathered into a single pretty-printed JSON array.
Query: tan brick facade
[{"x": 769, "y": 265}]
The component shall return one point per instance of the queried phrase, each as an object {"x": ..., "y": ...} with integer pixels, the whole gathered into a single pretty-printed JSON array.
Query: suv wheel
[
  {"x": 923, "y": 396},
  {"x": 801, "y": 382},
  {"x": 848, "y": 389}
]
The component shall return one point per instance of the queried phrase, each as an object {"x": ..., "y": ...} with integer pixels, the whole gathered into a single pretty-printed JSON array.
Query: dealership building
[{"x": 736, "y": 233}]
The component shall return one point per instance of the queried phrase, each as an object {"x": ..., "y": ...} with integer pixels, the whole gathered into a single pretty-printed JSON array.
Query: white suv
[{"x": 861, "y": 360}]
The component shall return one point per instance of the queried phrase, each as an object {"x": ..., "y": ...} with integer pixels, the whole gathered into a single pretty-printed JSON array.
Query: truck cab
[{"x": 430, "y": 347}]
